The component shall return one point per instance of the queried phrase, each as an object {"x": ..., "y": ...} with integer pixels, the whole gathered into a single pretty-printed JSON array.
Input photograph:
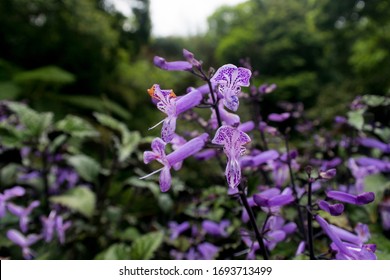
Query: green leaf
[
  {"x": 129, "y": 144},
  {"x": 80, "y": 199},
  {"x": 130, "y": 233},
  {"x": 47, "y": 74},
  {"x": 144, "y": 247},
  {"x": 376, "y": 183},
  {"x": 35, "y": 124},
  {"x": 9, "y": 91},
  {"x": 86, "y": 167},
  {"x": 376, "y": 100},
  {"x": 117, "y": 251},
  {"x": 10, "y": 136},
  {"x": 356, "y": 119},
  {"x": 8, "y": 174},
  {"x": 77, "y": 127},
  {"x": 129, "y": 140}
]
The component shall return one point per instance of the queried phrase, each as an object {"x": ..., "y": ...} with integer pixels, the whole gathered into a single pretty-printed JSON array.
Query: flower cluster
[{"x": 250, "y": 148}]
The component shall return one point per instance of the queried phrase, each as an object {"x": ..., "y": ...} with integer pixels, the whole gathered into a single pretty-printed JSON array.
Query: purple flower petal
[
  {"x": 334, "y": 210},
  {"x": 279, "y": 117},
  {"x": 173, "y": 65},
  {"x": 207, "y": 250},
  {"x": 188, "y": 149},
  {"x": 229, "y": 79},
  {"x": 328, "y": 174},
  {"x": 246, "y": 126},
  {"x": 17, "y": 238},
  {"x": 233, "y": 173},
  {"x": 188, "y": 101},
  {"x": 374, "y": 143},
  {"x": 165, "y": 179},
  {"x": 361, "y": 199},
  {"x": 168, "y": 129}
]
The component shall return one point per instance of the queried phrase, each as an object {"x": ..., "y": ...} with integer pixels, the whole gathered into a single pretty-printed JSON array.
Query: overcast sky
[{"x": 178, "y": 17}]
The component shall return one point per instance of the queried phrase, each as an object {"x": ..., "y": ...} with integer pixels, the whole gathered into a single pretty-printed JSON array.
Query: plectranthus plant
[{"x": 307, "y": 198}]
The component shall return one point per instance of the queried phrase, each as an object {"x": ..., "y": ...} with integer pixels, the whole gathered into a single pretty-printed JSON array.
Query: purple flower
[
  {"x": 29, "y": 176},
  {"x": 172, "y": 65},
  {"x": 264, "y": 127},
  {"x": 259, "y": 159},
  {"x": 246, "y": 126},
  {"x": 61, "y": 227},
  {"x": 48, "y": 225},
  {"x": 7, "y": 195},
  {"x": 279, "y": 117},
  {"x": 229, "y": 79},
  {"x": 374, "y": 143},
  {"x": 334, "y": 209},
  {"x": 158, "y": 153},
  {"x": 346, "y": 250},
  {"x": 23, "y": 241},
  {"x": 23, "y": 213},
  {"x": 207, "y": 251},
  {"x": 226, "y": 117},
  {"x": 265, "y": 88},
  {"x": 301, "y": 248},
  {"x": 272, "y": 199},
  {"x": 189, "y": 56},
  {"x": 232, "y": 140},
  {"x": 360, "y": 172},
  {"x": 206, "y": 154},
  {"x": 362, "y": 234},
  {"x": 172, "y": 106},
  {"x": 373, "y": 165},
  {"x": 360, "y": 199},
  {"x": 327, "y": 164},
  {"x": 340, "y": 119},
  {"x": 328, "y": 174},
  {"x": 216, "y": 229},
  {"x": 177, "y": 229}
]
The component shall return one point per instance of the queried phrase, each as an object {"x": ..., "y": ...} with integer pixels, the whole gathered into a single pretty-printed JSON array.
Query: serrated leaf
[
  {"x": 79, "y": 199},
  {"x": 10, "y": 136},
  {"x": 76, "y": 127},
  {"x": 86, "y": 167},
  {"x": 117, "y": 251},
  {"x": 34, "y": 123},
  {"x": 144, "y": 247}
]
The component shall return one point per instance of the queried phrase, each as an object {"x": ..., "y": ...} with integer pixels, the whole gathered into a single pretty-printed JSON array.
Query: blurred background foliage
[{"x": 84, "y": 58}]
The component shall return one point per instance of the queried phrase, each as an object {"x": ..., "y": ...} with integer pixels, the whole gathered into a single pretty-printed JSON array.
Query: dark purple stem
[
  {"x": 310, "y": 221},
  {"x": 294, "y": 189},
  {"x": 252, "y": 219}
]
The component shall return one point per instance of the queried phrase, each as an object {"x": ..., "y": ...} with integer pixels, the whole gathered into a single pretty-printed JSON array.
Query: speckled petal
[
  {"x": 165, "y": 179},
  {"x": 233, "y": 173},
  {"x": 168, "y": 129}
]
